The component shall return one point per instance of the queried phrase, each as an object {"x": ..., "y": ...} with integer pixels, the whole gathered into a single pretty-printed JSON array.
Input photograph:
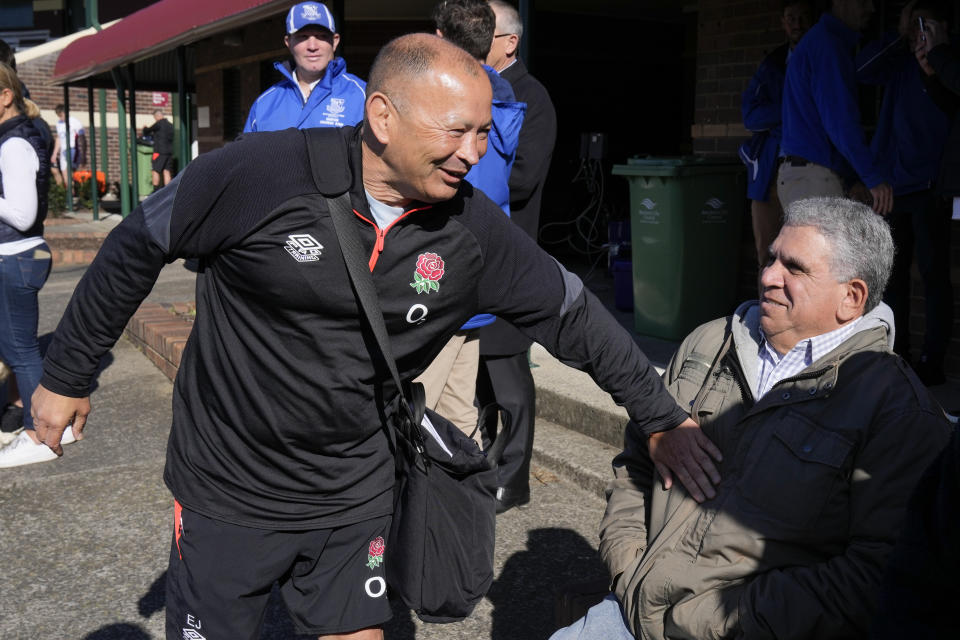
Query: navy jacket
[
  {"x": 761, "y": 107},
  {"x": 911, "y": 130},
  {"x": 945, "y": 60},
  {"x": 821, "y": 116}
]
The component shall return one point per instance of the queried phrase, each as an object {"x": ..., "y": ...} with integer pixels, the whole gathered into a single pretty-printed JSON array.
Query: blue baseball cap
[{"x": 306, "y": 14}]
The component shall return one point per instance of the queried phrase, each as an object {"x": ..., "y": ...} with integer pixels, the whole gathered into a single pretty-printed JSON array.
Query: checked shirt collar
[{"x": 774, "y": 367}]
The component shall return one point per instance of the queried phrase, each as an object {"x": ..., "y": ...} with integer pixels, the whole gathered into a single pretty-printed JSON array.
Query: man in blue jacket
[
  {"x": 316, "y": 90},
  {"x": 911, "y": 134},
  {"x": 450, "y": 382},
  {"x": 823, "y": 147},
  {"x": 762, "y": 108}
]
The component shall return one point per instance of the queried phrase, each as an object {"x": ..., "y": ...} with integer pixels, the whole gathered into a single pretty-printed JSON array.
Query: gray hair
[
  {"x": 508, "y": 19},
  {"x": 861, "y": 244}
]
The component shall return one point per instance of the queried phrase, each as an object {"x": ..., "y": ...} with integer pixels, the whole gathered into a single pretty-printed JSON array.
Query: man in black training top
[
  {"x": 277, "y": 458},
  {"x": 162, "y": 161}
]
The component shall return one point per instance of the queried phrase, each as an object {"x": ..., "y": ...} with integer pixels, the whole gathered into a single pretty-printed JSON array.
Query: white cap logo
[{"x": 310, "y": 12}]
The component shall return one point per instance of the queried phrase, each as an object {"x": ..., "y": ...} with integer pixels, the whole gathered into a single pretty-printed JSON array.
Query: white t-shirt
[{"x": 75, "y": 129}]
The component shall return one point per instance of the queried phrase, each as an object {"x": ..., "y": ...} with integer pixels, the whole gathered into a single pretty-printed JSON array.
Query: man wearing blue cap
[{"x": 316, "y": 90}]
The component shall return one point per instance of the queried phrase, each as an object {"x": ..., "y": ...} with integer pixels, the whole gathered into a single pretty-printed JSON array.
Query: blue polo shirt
[{"x": 821, "y": 115}]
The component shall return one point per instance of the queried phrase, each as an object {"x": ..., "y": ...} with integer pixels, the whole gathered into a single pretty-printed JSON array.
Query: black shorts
[
  {"x": 220, "y": 577},
  {"x": 163, "y": 161}
]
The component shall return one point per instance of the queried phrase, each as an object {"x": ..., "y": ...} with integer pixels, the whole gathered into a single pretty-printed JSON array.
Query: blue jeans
[
  {"x": 21, "y": 277},
  {"x": 603, "y": 621}
]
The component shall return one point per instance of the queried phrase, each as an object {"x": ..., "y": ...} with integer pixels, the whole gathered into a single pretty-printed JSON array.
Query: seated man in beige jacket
[{"x": 822, "y": 433}]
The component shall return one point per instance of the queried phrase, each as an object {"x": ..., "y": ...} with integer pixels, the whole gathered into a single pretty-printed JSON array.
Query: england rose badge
[
  {"x": 429, "y": 271},
  {"x": 375, "y": 553}
]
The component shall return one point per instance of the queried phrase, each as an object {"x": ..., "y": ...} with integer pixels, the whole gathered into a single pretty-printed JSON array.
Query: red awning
[{"x": 160, "y": 27}]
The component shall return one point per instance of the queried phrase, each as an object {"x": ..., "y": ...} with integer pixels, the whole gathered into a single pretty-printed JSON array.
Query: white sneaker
[
  {"x": 23, "y": 450},
  {"x": 68, "y": 437},
  {"x": 6, "y": 437}
]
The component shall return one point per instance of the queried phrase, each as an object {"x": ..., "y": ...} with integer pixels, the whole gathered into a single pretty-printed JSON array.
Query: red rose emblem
[
  {"x": 428, "y": 273},
  {"x": 375, "y": 554},
  {"x": 430, "y": 266}
]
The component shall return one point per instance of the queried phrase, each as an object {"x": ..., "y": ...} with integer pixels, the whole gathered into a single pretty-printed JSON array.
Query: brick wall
[
  {"x": 733, "y": 37},
  {"x": 36, "y": 75}
]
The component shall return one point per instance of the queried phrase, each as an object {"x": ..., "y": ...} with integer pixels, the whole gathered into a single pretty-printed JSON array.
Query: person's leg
[
  {"x": 766, "y": 217},
  {"x": 21, "y": 278},
  {"x": 168, "y": 170},
  {"x": 337, "y": 588},
  {"x": 460, "y": 388},
  {"x": 364, "y": 634},
  {"x": 450, "y": 382},
  {"x": 603, "y": 620},
  {"x": 220, "y": 577},
  {"x": 434, "y": 377},
  {"x": 897, "y": 293},
  {"x": 931, "y": 228},
  {"x": 508, "y": 382},
  {"x": 156, "y": 166}
]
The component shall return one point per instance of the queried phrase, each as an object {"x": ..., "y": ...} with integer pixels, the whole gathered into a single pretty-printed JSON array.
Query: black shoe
[
  {"x": 509, "y": 498},
  {"x": 12, "y": 419}
]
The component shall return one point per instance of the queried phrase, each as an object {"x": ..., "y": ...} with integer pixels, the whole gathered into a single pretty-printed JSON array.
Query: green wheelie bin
[
  {"x": 144, "y": 170},
  {"x": 685, "y": 217}
]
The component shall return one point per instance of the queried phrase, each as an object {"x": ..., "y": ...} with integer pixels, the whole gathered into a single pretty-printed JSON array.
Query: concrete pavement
[{"x": 84, "y": 539}]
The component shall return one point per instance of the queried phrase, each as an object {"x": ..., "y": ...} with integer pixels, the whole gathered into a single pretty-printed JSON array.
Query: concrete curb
[
  {"x": 579, "y": 458},
  {"x": 160, "y": 331},
  {"x": 75, "y": 241}
]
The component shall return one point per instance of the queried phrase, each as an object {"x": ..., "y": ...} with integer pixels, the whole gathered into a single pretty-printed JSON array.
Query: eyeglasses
[{"x": 502, "y": 35}]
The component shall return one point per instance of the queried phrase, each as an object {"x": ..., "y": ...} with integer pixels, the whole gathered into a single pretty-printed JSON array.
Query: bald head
[
  {"x": 426, "y": 120},
  {"x": 402, "y": 61}
]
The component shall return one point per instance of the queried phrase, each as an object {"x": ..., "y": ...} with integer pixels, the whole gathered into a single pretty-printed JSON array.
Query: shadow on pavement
[
  {"x": 524, "y": 597},
  {"x": 155, "y": 598},
  {"x": 119, "y": 631}
]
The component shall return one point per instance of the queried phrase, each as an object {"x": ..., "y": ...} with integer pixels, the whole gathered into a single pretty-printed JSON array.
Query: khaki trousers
[
  {"x": 809, "y": 181},
  {"x": 450, "y": 382}
]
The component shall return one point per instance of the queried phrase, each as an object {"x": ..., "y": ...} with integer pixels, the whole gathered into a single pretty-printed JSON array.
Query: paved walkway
[{"x": 84, "y": 539}]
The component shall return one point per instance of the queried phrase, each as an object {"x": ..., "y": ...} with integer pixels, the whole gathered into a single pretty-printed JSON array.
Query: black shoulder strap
[
  {"x": 341, "y": 213},
  {"x": 412, "y": 408}
]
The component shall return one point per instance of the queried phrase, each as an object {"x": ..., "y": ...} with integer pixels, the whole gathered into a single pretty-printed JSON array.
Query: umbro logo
[
  {"x": 303, "y": 247},
  {"x": 192, "y": 634}
]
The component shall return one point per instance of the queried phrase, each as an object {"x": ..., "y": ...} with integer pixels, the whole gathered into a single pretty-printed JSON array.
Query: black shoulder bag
[{"x": 440, "y": 554}]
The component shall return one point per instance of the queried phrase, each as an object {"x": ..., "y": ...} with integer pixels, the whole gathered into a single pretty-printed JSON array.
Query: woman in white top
[{"x": 24, "y": 256}]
